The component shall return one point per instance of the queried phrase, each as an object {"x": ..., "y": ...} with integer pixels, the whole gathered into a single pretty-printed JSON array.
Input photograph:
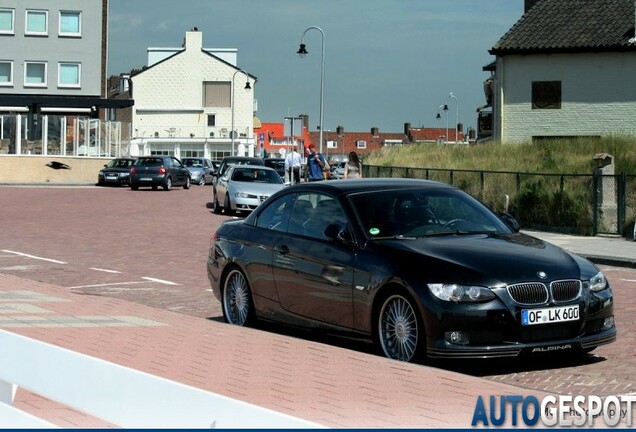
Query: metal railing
[{"x": 586, "y": 204}]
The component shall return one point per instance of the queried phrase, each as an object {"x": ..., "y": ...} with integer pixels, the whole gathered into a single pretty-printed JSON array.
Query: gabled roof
[{"x": 571, "y": 26}]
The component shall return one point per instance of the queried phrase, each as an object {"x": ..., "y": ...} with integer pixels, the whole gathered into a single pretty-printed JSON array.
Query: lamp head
[
  {"x": 439, "y": 116},
  {"x": 302, "y": 52},
  {"x": 247, "y": 85},
  {"x": 445, "y": 108}
]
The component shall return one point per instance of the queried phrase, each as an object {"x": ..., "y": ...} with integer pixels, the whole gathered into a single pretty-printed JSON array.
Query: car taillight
[
  {"x": 133, "y": 170},
  {"x": 162, "y": 170}
]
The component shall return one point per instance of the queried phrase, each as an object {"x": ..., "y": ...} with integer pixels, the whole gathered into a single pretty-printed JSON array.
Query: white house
[
  {"x": 566, "y": 69},
  {"x": 189, "y": 100}
]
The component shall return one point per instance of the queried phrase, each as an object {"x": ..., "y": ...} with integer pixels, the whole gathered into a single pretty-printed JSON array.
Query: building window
[
  {"x": 34, "y": 74},
  {"x": 211, "y": 119},
  {"x": 216, "y": 94},
  {"x": 332, "y": 144},
  {"x": 361, "y": 144},
  {"x": 69, "y": 75},
  {"x": 6, "y": 73},
  {"x": 70, "y": 23},
  {"x": 6, "y": 21},
  {"x": 546, "y": 94},
  {"x": 36, "y": 22}
]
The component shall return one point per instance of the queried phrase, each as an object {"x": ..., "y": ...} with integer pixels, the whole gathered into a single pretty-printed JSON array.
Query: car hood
[
  {"x": 255, "y": 188},
  {"x": 493, "y": 259}
]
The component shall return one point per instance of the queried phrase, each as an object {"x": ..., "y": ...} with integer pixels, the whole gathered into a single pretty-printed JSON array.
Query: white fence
[{"x": 119, "y": 395}]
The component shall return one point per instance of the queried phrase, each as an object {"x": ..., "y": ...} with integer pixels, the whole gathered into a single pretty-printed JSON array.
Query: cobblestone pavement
[{"x": 149, "y": 247}]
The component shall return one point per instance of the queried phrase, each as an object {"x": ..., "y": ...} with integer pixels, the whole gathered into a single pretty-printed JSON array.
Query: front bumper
[
  {"x": 448, "y": 350},
  {"x": 495, "y": 329}
]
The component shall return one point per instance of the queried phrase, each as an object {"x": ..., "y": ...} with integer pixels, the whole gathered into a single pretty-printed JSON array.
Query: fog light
[
  {"x": 608, "y": 322},
  {"x": 456, "y": 337}
]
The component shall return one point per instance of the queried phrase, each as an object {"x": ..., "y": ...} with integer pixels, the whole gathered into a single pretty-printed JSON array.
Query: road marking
[
  {"x": 34, "y": 257},
  {"x": 104, "y": 285},
  {"x": 160, "y": 281},
  {"x": 105, "y": 270}
]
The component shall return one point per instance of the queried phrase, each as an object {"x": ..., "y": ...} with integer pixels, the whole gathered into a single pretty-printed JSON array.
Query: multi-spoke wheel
[
  {"x": 237, "y": 299},
  {"x": 400, "y": 335}
]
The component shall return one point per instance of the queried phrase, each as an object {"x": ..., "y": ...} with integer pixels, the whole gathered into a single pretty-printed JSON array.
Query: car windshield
[
  {"x": 120, "y": 163},
  {"x": 193, "y": 163},
  {"x": 275, "y": 164},
  {"x": 149, "y": 161},
  {"x": 256, "y": 175},
  {"x": 423, "y": 213}
]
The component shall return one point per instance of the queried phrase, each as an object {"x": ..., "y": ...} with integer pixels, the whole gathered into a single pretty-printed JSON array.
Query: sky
[{"x": 386, "y": 62}]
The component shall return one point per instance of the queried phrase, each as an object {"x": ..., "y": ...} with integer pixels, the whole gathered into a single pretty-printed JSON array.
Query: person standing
[
  {"x": 353, "y": 168},
  {"x": 292, "y": 165},
  {"x": 315, "y": 164}
]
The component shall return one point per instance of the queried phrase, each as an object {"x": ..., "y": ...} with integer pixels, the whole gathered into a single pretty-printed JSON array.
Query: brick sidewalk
[{"x": 328, "y": 385}]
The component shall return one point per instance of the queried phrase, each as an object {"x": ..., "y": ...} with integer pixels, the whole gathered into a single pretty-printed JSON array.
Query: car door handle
[{"x": 283, "y": 250}]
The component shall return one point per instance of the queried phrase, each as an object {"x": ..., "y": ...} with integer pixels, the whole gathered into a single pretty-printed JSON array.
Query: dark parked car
[
  {"x": 115, "y": 172},
  {"x": 278, "y": 164},
  {"x": 421, "y": 267},
  {"x": 155, "y": 171},
  {"x": 201, "y": 169}
]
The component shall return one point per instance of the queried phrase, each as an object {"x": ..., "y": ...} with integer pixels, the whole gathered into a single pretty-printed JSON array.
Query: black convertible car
[{"x": 421, "y": 267}]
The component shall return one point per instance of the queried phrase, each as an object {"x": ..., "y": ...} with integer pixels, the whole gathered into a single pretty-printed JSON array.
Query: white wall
[{"x": 598, "y": 95}]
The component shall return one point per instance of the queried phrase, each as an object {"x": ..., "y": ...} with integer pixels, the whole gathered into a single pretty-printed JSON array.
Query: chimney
[
  {"x": 374, "y": 131},
  {"x": 527, "y": 5},
  {"x": 194, "y": 40},
  {"x": 339, "y": 130}
]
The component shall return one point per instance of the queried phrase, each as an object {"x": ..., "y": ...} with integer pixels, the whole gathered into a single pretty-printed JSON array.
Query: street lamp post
[
  {"x": 302, "y": 52},
  {"x": 451, "y": 95},
  {"x": 445, "y": 109},
  {"x": 247, "y": 87}
]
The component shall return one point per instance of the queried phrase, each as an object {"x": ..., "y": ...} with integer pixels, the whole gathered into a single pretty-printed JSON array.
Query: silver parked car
[
  {"x": 201, "y": 169},
  {"x": 244, "y": 187}
]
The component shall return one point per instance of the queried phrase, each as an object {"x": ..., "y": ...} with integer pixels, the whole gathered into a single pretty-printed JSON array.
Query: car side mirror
[
  {"x": 336, "y": 232},
  {"x": 510, "y": 220}
]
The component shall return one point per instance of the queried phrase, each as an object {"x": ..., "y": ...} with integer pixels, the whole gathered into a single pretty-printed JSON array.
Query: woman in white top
[{"x": 353, "y": 168}]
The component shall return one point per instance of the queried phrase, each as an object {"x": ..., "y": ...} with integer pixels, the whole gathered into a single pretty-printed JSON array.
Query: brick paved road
[{"x": 150, "y": 247}]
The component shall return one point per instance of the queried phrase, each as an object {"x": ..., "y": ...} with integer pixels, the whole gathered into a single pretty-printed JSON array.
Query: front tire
[
  {"x": 238, "y": 308},
  {"x": 399, "y": 329},
  {"x": 187, "y": 184},
  {"x": 216, "y": 208},
  {"x": 227, "y": 206}
]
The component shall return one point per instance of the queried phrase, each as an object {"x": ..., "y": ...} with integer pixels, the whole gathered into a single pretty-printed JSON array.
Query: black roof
[
  {"x": 368, "y": 184},
  {"x": 571, "y": 26}
]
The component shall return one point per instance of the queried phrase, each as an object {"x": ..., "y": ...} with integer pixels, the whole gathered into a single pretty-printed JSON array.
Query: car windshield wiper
[
  {"x": 458, "y": 232},
  {"x": 394, "y": 237}
]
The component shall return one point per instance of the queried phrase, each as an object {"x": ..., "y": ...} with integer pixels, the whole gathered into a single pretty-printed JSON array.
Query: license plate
[
  {"x": 549, "y": 315},
  {"x": 111, "y": 177},
  {"x": 145, "y": 179}
]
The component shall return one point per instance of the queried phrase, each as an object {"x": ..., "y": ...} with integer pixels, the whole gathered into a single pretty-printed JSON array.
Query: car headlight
[
  {"x": 461, "y": 293},
  {"x": 244, "y": 195},
  {"x": 598, "y": 282}
]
